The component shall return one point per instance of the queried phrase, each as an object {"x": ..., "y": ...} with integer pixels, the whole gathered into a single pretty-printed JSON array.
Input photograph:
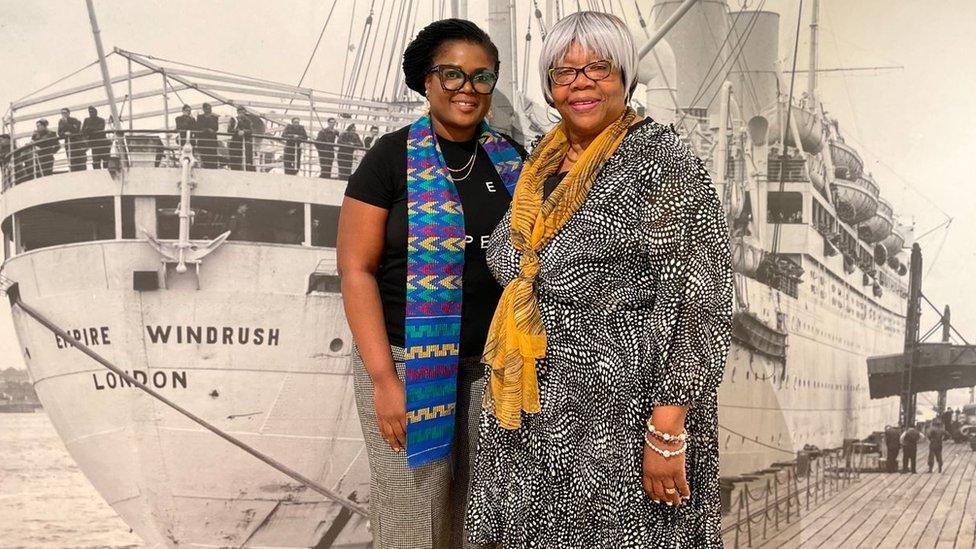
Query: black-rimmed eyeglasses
[
  {"x": 453, "y": 78},
  {"x": 597, "y": 70}
]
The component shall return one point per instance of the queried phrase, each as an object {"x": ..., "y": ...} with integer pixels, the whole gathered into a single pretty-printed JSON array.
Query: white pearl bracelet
[
  {"x": 666, "y": 437},
  {"x": 665, "y": 453}
]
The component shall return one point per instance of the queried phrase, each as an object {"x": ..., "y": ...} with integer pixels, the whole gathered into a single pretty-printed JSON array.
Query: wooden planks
[{"x": 892, "y": 510}]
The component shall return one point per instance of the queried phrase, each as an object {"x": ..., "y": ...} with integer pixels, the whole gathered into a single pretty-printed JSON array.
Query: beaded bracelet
[
  {"x": 666, "y": 437},
  {"x": 665, "y": 453}
]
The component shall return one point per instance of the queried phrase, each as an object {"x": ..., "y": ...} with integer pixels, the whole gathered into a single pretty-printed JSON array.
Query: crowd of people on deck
[{"x": 86, "y": 141}]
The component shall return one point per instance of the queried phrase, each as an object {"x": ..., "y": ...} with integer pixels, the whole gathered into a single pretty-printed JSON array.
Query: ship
[{"x": 212, "y": 282}]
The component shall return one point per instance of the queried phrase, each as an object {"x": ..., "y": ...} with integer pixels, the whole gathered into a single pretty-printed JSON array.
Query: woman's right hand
[{"x": 391, "y": 412}]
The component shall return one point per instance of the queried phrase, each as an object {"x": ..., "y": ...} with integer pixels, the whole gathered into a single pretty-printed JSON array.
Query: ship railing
[
  {"x": 161, "y": 149},
  {"x": 774, "y": 498},
  {"x": 788, "y": 169}
]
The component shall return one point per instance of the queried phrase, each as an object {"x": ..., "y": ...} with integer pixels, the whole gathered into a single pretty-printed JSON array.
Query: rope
[
  {"x": 13, "y": 293},
  {"x": 58, "y": 81},
  {"x": 372, "y": 51},
  {"x": 345, "y": 62},
  {"x": 789, "y": 112},
  {"x": 314, "y": 50},
  {"x": 379, "y": 61}
]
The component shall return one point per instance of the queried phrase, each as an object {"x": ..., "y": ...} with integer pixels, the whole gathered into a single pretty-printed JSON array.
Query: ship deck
[{"x": 891, "y": 510}]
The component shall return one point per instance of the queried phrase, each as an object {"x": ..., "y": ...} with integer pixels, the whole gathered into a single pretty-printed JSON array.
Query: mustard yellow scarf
[{"x": 516, "y": 338}]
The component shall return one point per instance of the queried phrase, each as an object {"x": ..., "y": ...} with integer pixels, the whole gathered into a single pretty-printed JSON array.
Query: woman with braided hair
[
  {"x": 417, "y": 290},
  {"x": 611, "y": 335}
]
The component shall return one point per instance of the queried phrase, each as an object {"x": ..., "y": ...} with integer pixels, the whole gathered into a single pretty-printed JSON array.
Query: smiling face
[
  {"x": 588, "y": 106},
  {"x": 459, "y": 112}
]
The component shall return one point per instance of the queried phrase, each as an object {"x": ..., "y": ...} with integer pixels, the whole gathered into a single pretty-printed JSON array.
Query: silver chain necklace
[{"x": 468, "y": 166}]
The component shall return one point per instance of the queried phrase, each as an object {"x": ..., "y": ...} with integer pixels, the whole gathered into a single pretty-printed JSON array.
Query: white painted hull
[{"x": 290, "y": 395}]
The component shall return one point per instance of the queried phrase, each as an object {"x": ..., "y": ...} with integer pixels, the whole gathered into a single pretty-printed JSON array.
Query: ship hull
[
  {"x": 254, "y": 353},
  {"x": 768, "y": 409},
  {"x": 249, "y": 352}
]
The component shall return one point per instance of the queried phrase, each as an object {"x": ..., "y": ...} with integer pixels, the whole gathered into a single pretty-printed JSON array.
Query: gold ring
[{"x": 670, "y": 491}]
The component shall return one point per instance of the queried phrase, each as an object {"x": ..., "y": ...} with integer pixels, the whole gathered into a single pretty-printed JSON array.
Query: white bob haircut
[{"x": 601, "y": 33}]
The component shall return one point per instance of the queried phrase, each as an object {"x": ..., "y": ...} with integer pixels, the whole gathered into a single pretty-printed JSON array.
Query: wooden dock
[{"x": 892, "y": 510}]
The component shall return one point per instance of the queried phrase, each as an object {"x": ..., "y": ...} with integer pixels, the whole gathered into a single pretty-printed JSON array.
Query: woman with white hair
[{"x": 608, "y": 343}]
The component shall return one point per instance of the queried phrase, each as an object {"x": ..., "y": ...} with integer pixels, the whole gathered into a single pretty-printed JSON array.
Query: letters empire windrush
[{"x": 210, "y": 335}]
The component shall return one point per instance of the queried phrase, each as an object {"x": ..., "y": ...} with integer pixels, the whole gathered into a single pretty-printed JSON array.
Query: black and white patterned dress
[{"x": 635, "y": 294}]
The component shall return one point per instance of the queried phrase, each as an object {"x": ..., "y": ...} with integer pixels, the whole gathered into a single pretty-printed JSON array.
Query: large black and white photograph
[{"x": 505, "y": 274}]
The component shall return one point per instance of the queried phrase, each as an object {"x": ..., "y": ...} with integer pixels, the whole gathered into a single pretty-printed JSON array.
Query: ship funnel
[
  {"x": 754, "y": 72},
  {"x": 697, "y": 41}
]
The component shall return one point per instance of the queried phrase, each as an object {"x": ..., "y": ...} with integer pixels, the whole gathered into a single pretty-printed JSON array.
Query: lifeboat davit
[{"x": 878, "y": 227}]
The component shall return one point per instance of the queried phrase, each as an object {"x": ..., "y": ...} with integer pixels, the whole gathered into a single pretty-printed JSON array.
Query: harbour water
[{"x": 45, "y": 500}]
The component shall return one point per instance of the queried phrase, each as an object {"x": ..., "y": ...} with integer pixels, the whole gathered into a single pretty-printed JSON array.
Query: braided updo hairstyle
[{"x": 419, "y": 56}]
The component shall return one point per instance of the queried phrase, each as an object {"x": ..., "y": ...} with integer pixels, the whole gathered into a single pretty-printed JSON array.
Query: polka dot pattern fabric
[{"x": 635, "y": 294}]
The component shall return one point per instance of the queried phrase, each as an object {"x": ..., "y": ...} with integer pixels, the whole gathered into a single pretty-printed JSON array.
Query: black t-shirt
[{"x": 381, "y": 180}]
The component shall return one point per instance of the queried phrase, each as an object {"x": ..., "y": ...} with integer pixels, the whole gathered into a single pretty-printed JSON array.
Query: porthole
[{"x": 336, "y": 345}]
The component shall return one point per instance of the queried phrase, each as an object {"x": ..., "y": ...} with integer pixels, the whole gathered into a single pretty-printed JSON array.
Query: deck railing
[
  {"x": 767, "y": 502},
  {"x": 161, "y": 148}
]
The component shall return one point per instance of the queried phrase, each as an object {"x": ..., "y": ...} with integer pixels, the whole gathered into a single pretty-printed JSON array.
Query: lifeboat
[
  {"x": 808, "y": 125},
  {"x": 847, "y": 163},
  {"x": 746, "y": 256},
  {"x": 895, "y": 241},
  {"x": 878, "y": 227},
  {"x": 856, "y": 200}
]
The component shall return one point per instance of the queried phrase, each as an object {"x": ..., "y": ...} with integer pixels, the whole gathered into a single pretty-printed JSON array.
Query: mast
[
  {"x": 812, "y": 80},
  {"x": 502, "y": 31},
  {"x": 103, "y": 66},
  {"x": 459, "y": 9}
]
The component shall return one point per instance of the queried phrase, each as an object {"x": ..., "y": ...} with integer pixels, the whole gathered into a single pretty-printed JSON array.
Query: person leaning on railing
[
  {"x": 349, "y": 143},
  {"x": 46, "y": 144},
  {"x": 186, "y": 126},
  {"x": 294, "y": 135},
  {"x": 326, "y": 150},
  {"x": 93, "y": 129},
  {"x": 69, "y": 128},
  {"x": 242, "y": 141},
  {"x": 207, "y": 126}
]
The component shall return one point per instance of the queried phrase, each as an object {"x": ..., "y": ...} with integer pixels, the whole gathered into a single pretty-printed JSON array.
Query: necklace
[{"x": 467, "y": 168}]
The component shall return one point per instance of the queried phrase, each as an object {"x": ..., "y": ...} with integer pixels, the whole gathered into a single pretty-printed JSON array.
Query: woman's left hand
[{"x": 664, "y": 478}]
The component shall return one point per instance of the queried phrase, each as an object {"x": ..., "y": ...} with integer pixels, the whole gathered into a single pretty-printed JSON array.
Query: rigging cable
[
  {"x": 528, "y": 51},
  {"x": 657, "y": 59},
  {"x": 372, "y": 53},
  {"x": 539, "y": 20},
  {"x": 381, "y": 57},
  {"x": 741, "y": 44},
  {"x": 398, "y": 46},
  {"x": 789, "y": 112},
  {"x": 312, "y": 56},
  {"x": 360, "y": 51},
  {"x": 349, "y": 46},
  {"x": 392, "y": 56},
  {"x": 738, "y": 45}
]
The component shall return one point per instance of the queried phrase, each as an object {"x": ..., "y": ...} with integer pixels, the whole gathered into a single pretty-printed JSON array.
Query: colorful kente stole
[{"x": 435, "y": 266}]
